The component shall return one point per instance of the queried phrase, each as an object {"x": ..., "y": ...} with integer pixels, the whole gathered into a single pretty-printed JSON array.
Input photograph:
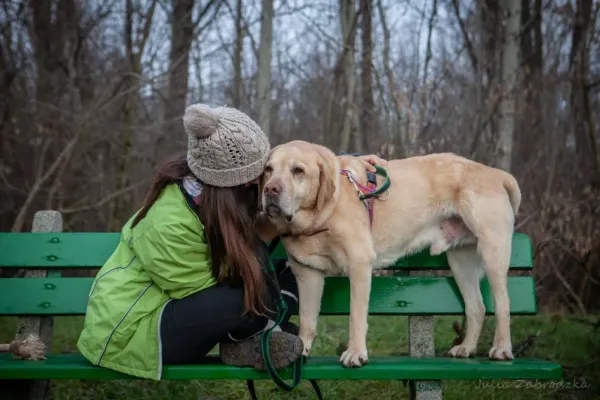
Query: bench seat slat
[
  {"x": 75, "y": 366},
  {"x": 389, "y": 296},
  {"x": 91, "y": 250}
]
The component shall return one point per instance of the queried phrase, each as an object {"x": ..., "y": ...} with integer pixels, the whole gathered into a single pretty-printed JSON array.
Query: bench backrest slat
[
  {"x": 389, "y": 296},
  {"x": 91, "y": 250}
]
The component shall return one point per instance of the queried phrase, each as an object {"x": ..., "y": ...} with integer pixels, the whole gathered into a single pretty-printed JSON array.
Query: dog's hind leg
[
  {"x": 467, "y": 268},
  {"x": 490, "y": 217},
  {"x": 495, "y": 249},
  {"x": 310, "y": 291}
]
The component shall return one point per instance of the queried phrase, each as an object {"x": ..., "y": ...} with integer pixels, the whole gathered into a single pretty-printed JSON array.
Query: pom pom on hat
[{"x": 200, "y": 121}]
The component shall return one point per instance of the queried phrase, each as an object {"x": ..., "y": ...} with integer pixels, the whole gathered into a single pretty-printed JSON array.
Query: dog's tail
[{"x": 512, "y": 189}]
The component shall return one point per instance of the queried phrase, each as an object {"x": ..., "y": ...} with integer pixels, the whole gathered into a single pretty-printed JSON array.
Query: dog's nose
[{"x": 272, "y": 189}]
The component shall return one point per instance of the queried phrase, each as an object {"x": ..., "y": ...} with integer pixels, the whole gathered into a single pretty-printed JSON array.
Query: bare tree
[
  {"x": 135, "y": 43},
  {"x": 423, "y": 104},
  {"x": 585, "y": 131},
  {"x": 263, "y": 78},
  {"x": 348, "y": 24},
  {"x": 237, "y": 55},
  {"x": 510, "y": 67},
  {"x": 184, "y": 28},
  {"x": 368, "y": 118},
  {"x": 182, "y": 35},
  {"x": 398, "y": 101},
  {"x": 531, "y": 55}
]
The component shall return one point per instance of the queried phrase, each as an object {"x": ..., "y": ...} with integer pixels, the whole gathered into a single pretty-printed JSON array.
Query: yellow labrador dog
[{"x": 440, "y": 201}]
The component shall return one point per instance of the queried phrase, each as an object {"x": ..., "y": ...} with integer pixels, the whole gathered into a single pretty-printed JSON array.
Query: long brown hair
[{"x": 228, "y": 216}]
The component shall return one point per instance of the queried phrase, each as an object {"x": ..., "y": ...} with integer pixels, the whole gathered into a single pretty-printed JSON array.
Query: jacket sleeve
[{"x": 177, "y": 260}]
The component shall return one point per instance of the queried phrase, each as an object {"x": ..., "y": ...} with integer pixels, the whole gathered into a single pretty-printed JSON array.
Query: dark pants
[{"x": 192, "y": 326}]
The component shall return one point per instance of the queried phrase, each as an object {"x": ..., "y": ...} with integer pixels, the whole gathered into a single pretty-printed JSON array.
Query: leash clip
[
  {"x": 356, "y": 188},
  {"x": 387, "y": 198}
]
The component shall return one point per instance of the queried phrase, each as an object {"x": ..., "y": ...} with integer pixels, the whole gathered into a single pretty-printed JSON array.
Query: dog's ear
[{"x": 326, "y": 176}]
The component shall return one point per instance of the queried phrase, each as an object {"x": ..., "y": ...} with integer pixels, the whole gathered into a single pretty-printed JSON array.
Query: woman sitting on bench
[{"x": 188, "y": 271}]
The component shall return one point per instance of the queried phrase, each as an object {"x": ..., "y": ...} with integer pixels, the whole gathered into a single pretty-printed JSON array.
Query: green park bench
[{"x": 42, "y": 293}]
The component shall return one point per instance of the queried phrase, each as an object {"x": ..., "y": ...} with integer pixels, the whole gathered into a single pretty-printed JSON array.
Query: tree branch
[
  {"x": 203, "y": 12},
  {"x": 20, "y": 219},
  {"x": 104, "y": 200},
  {"x": 463, "y": 29}
]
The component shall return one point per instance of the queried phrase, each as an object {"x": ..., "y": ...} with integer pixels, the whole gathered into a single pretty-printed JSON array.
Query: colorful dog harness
[{"x": 368, "y": 194}]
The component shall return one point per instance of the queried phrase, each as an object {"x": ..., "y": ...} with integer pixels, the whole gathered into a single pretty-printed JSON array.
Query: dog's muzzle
[
  {"x": 274, "y": 211},
  {"x": 271, "y": 198}
]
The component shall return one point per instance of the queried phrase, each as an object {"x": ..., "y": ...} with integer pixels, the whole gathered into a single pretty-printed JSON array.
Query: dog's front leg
[
  {"x": 310, "y": 289},
  {"x": 360, "y": 288}
]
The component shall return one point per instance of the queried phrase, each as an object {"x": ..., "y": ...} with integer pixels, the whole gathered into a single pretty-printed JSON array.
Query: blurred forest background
[{"x": 92, "y": 94}]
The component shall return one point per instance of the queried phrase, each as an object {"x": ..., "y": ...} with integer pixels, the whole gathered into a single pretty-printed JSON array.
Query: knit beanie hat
[{"x": 225, "y": 147}]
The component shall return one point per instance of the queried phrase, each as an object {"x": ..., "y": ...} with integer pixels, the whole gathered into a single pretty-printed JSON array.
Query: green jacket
[{"x": 164, "y": 257}]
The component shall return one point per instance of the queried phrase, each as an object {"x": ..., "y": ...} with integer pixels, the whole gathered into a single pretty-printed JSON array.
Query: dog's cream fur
[{"x": 440, "y": 201}]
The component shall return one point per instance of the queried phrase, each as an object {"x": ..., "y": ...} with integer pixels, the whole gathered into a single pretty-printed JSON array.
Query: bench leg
[
  {"x": 43, "y": 221},
  {"x": 421, "y": 344}
]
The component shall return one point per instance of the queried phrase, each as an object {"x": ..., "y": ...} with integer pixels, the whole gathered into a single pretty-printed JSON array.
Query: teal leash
[
  {"x": 386, "y": 184},
  {"x": 265, "y": 338}
]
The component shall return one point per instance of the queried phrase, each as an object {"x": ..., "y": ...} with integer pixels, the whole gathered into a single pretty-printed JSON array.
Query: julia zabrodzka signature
[{"x": 528, "y": 384}]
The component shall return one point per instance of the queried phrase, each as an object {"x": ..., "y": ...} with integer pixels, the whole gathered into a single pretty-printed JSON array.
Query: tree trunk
[
  {"x": 509, "y": 67},
  {"x": 45, "y": 44},
  {"x": 182, "y": 35},
  {"x": 491, "y": 28},
  {"x": 531, "y": 54},
  {"x": 237, "y": 56},
  {"x": 263, "y": 79},
  {"x": 347, "y": 18},
  {"x": 53, "y": 33},
  {"x": 400, "y": 136},
  {"x": 586, "y": 144},
  {"x": 368, "y": 119},
  {"x": 479, "y": 130},
  {"x": 424, "y": 101}
]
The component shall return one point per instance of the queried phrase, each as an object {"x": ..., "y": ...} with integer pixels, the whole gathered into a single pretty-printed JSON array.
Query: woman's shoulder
[{"x": 170, "y": 215}]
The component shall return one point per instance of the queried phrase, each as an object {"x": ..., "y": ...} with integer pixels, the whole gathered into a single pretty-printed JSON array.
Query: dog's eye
[
  {"x": 268, "y": 169},
  {"x": 297, "y": 171}
]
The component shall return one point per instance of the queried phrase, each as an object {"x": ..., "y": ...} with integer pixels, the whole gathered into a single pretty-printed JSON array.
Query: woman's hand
[{"x": 371, "y": 160}]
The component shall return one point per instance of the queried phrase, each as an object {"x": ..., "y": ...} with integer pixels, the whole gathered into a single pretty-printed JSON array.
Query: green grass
[{"x": 574, "y": 344}]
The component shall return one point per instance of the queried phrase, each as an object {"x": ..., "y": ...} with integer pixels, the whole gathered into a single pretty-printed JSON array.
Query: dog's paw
[
  {"x": 307, "y": 346},
  {"x": 461, "y": 351},
  {"x": 501, "y": 352},
  {"x": 307, "y": 336},
  {"x": 354, "y": 359}
]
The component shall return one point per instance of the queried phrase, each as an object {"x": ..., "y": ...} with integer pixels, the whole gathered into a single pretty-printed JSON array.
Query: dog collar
[{"x": 284, "y": 235}]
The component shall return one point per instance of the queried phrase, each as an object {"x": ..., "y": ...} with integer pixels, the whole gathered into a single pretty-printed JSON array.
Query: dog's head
[{"x": 300, "y": 179}]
